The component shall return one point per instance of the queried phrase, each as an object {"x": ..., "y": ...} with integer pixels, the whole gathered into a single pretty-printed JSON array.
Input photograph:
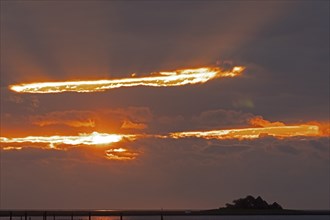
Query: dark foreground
[{"x": 75, "y": 213}]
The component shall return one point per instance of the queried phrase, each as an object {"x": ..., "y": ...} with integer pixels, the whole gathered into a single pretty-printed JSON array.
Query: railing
[{"x": 158, "y": 214}]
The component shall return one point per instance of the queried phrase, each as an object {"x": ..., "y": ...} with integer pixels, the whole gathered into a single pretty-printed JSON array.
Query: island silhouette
[{"x": 250, "y": 202}]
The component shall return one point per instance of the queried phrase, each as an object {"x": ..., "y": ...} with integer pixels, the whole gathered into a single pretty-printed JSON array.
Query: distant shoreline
[{"x": 76, "y": 213}]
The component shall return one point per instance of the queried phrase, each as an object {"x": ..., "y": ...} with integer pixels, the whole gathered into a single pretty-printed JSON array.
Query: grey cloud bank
[{"x": 167, "y": 172}]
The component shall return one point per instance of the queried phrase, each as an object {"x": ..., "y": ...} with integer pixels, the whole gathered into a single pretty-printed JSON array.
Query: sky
[{"x": 146, "y": 146}]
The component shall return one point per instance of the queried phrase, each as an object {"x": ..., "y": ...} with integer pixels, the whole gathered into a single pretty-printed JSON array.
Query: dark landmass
[
  {"x": 257, "y": 206},
  {"x": 265, "y": 212},
  {"x": 250, "y": 202}
]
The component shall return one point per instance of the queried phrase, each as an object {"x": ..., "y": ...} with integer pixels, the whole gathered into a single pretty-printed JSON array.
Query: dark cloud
[
  {"x": 221, "y": 149},
  {"x": 320, "y": 145},
  {"x": 166, "y": 173},
  {"x": 209, "y": 119},
  {"x": 80, "y": 118},
  {"x": 71, "y": 118},
  {"x": 28, "y": 153},
  {"x": 73, "y": 121},
  {"x": 287, "y": 149},
  {"x": 222, "y": 118}
]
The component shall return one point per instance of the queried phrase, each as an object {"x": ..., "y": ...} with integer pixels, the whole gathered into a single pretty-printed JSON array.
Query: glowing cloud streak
[
  {"x": 94, "y": 138},
  {"x": 120, "y": 154},
  {"x": 104, "y": 140},
  {"x": 252, "y": 133},
  {"x": 158, "y": 79}
]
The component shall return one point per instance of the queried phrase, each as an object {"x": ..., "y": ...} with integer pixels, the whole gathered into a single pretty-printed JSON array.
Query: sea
[{"x": 257, "y": 217}]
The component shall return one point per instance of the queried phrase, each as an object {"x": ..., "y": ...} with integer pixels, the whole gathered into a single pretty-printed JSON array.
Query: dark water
[{"x": 260, "y": 217}]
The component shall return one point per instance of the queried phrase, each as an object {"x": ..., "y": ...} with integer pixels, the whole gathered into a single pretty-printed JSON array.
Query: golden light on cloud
[
  {"x": 94, "y": 138},
  {"x": 261, "y": 128},
  {"x": 120, "y": 154},
  {"x": 258, "y": 121},
  {"x": 252, "y": 133},
  {"x": 158, "y": 79},
  {"x": 71, "y": 123},
  {"x": 127, "y": 124},
  {"x": 12, "y": 148}
]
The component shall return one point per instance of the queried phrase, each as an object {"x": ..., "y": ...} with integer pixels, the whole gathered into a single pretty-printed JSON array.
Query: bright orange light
[
  {"x": 158, "y": 79},
  {"x": 12, "y": 148},
  {"x": 262, "y": 127},
  {"x": 94, "y": 138},
  {"x": 252, "y": 133},
  {"x": 274, "y": 129},
  {"x": 258, "y": 121},
  {"x": 119, "y": 150},
  {"x": 120, "y": 154}
]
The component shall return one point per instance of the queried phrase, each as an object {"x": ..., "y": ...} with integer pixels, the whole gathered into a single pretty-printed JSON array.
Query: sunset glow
[
  {"x": 120, "y": 154},
  {"x": 252, "y": 133},
  {"x": 12, "y": 148},
  {"x": 94, "y": 138},
  {"x": 274, "y": 129},
  {"x": 158, "y": 79}
]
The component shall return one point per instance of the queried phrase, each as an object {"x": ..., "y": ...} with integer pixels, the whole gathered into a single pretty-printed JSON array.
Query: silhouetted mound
[{"x": 252, "y": 203}]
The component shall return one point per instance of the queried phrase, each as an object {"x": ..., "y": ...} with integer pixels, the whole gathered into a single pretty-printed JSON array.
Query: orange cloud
[
  {"x": 131, "y": 125},
  {"x": 324, "y": 127},
  {"x": 258, "y": 121},
  {"x": 120, "y": 154},
  {"x": 92, "y": 139},
  {"x": 262, "y": 127},
  {"x": 70, "y": 118},
  {"x": 252, "y": 133},
  {"x": 136, "y": 114},
  {"x": 109, "y": 120}
]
